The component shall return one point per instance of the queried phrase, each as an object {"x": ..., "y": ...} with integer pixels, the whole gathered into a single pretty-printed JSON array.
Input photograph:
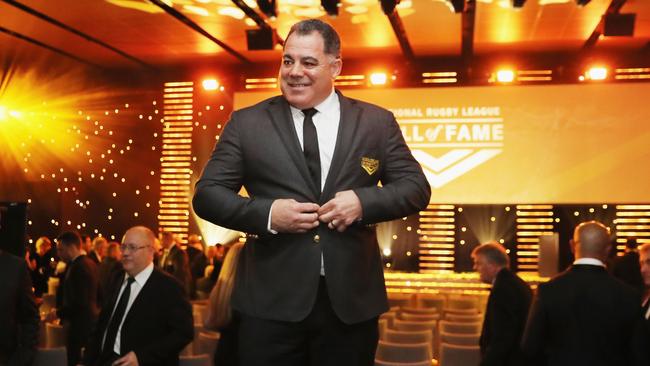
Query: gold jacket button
[{"x": 316, "y": 238}]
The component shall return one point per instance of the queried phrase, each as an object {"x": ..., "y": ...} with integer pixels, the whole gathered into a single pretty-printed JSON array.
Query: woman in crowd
[{"x": 221, "y": 316}]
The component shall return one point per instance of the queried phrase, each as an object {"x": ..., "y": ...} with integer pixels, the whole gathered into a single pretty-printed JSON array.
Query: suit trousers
[{"x": 321, "y": 339}]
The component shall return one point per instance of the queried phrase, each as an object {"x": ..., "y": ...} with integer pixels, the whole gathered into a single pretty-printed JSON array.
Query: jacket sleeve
[
  {"x": 216, "y": 196},
  {"x": 404, "y": 188}
]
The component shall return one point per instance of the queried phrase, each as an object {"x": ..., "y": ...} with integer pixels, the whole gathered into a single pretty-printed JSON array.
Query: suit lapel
[
  {"x": 348, "y": 124},
  {"x": 280, "y": 115}
]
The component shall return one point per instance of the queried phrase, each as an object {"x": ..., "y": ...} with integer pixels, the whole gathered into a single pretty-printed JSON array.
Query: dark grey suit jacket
[
  {"x": 157, "y": 327},
  {"x": 584, "y": 316},
  {"x": 18, "y": 312},
  {"x": 278, "y": 275}
]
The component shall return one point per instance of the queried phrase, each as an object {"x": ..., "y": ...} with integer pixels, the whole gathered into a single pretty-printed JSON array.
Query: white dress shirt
[
  {"x": 140, "y": 279},
  {"x": 326, "y": 122}
]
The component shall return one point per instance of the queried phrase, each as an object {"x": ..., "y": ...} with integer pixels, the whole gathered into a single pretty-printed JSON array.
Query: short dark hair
[
  {"x": 70, "y": 238},
  {"x": 631, "y": 243},
  {"x": 330, "y": 37},
  {"x": 494, "y": 252}
]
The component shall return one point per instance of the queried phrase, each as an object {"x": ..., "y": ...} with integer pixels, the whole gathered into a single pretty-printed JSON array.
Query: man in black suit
[
  {"x": 18, "y": 312},
  {"x": 584, "y": 316},
  {"x": 79, "y": 309},
  {"x": 310, "y": 282},
  {"x": 644, "y": 264},
  {"x": 507, "y": 307},
  {"x": 97, "y": 254},
  {"x": 147, "y": 320},
  {"x": 174, "y": 260},
  {"x": 626, "y": 267}
]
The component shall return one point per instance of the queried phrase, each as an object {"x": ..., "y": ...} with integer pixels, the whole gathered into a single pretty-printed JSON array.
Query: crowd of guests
[
  {"x": 108, "y": 313},
  {"x": 586, "y": 315},
  {"x": 129, "y": 303}
]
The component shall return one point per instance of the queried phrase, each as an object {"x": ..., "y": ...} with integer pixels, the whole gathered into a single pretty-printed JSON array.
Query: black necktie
[
  {"x": 310, "y": 145},
  {"x": 114, "y": 324}
]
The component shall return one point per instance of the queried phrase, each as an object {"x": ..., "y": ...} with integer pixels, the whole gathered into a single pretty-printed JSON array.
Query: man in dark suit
[
  {"x": 97, "y": 254},
  {"x": 147, "y": 320},
  {"x": 18, "y": 312},
  {"x": 584, "y": 316},
  {"x": 507, "y": 307},
  {"x": 79, "y": 309},
  {"x": 644, "y": 264},
  {"x": 626, "y": 267},
  {"x": 310, "y": 282},
  {"x": 174, "y": 260}
]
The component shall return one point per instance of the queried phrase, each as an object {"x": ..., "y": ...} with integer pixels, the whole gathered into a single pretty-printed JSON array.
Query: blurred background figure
[
  {"x": 19, "y": 320},
  {"x": 221, "y": 316},
  {"x": 78, "y": 309},
  {"x": 197, "y": 259},
  {"x": 174, "y": 260},
  {"x": 98, "y": 251},
  {"x": 644, "y": 264},
  {"x": 626, "y": 267},
  {"x": 41, "y": 265},
  {"x": 108, "y": 267}
]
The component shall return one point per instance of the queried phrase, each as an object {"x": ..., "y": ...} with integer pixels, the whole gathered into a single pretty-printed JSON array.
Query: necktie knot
[
  {"x": 309, "y": 112},
  {"x": 129, "y": 280}
]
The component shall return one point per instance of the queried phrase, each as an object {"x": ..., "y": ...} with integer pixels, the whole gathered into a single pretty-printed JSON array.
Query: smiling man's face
[{"x": 307, "y": 73}]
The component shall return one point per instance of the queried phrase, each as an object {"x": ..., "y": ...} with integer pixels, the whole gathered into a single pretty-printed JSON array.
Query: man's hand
[
  {"x": 130, "y": 359},
  {"x": 341, "y": 211},
  {"x": 291, "y": 216}
]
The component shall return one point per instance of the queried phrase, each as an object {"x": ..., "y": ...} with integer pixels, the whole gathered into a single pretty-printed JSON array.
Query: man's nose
[{"x": 296, "y": 69}]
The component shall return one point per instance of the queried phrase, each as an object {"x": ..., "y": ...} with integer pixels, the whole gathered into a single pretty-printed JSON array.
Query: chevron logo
[
  {"x": 450, "y": 142},
  {"x": 453, "y": 164}
]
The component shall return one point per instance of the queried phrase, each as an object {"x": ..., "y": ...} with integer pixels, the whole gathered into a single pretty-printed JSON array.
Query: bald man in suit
[
  {"x": 147, "y": 319},
  {"x": 585, "y": 316},
  {"x": 310, "y": 282}
]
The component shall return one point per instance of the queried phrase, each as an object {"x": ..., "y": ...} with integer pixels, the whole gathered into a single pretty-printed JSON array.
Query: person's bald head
[
  {"x": 591, "y": 239},
  {"x": 137, "y": 249}
]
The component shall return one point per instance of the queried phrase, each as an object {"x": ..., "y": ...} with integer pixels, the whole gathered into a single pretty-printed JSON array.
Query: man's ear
[
  {"x": 572, "y": 245},
  {"x": 335, "y": 67}
]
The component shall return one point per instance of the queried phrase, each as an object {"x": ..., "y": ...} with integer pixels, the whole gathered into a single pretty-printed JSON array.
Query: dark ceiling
[{"x": 181, "y": 33}]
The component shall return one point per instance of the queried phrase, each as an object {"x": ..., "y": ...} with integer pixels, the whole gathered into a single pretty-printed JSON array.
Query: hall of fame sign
[{"x": 450, "y": 141}]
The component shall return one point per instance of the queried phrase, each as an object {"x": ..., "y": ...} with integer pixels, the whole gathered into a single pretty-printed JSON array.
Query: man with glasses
[{"x": 147, "y": 318}]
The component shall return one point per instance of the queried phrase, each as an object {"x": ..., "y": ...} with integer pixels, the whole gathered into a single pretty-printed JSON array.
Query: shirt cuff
[{"x": 268, "y": 223}]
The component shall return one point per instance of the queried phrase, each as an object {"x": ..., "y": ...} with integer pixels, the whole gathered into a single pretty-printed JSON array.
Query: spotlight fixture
[
  {"x": 378, "y": 78},
  {"x": 210, "y": 84},
  {"x": 331, "y": 7},
  {"x": 505, "y": 76},
  {"x": 518, "y": 4},
  {"x": 596, "y": 73},
  {"x": 268, "y": 7}
]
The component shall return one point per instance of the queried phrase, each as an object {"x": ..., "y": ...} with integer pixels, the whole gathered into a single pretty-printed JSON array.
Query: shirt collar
[
  {"x": 590, "y": 261},
  {"x": 329, "y": 105},
  {"x": 142, "y": 277}
]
